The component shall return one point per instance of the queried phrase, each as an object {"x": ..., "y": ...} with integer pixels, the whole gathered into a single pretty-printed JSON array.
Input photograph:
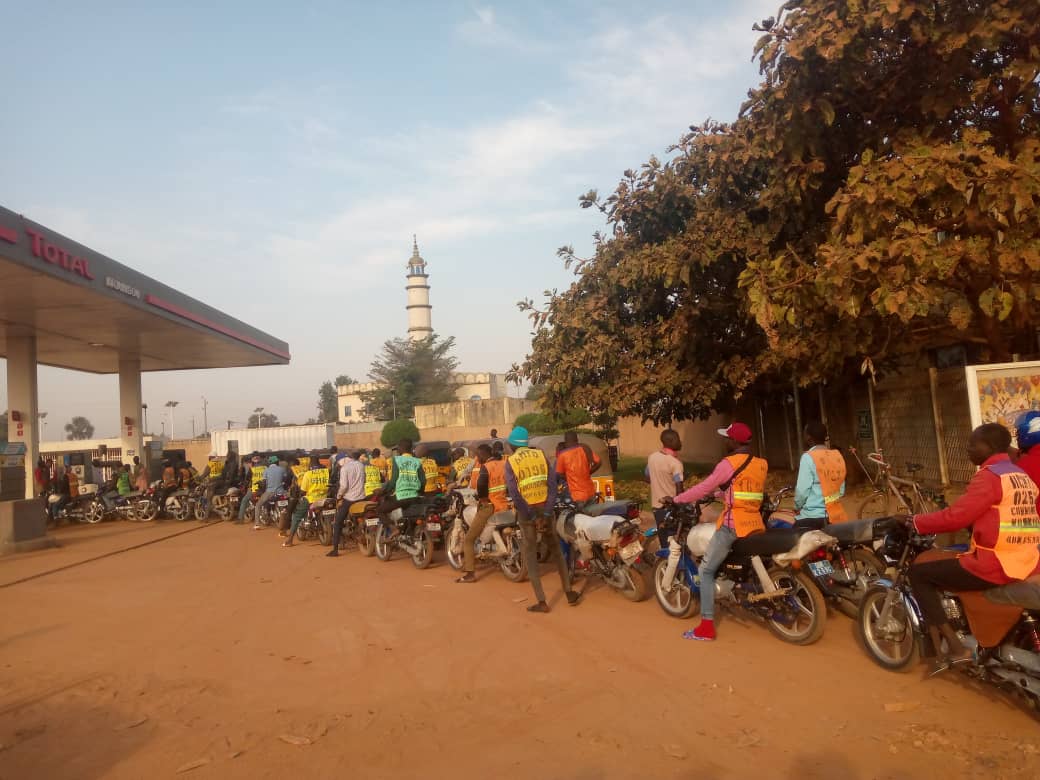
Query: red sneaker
[{"x": 705, "y": 632}]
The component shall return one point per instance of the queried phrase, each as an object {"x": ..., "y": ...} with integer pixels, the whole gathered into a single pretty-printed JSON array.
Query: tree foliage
[
  {"x": 395, "y": 430},
  {"x": 411, "y": 373},
  {"x": 328, "y": 403},
  {"x": 875, "y": 195},
  {"x": 78, "y": 428},
  {"x": 267, "y": 420}
]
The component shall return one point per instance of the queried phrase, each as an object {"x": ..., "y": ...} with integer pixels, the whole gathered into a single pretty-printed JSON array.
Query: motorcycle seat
[
  {"x": 1025, "y": 594},
  {"x": 606, "y": 508},
  {"x": 505, "y": 517},
  {"x": 777, "y": 540},
  {"x": 359, "y": 508},
  {"x": 414, "y": 511},
  {"x": 596, "y": 529},
  {"x": 851, "y": 532}
]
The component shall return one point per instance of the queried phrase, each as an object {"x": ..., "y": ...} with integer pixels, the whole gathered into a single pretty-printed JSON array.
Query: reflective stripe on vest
[
  {"x": 830, "y": 471},
  {"x": 496, "y": 470},
  {"x": 432, "y": 472},
  {"x": 373, "y": 479},
  {"x": 748, "y": 490},
  {"x": 460, "y": 465},
  {"x": 1018, "y": 536},
  {"x": 407, "y": 476},
  {"x": 531, "y": 470}
]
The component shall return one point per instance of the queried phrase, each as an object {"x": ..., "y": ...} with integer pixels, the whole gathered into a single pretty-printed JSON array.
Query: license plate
[
  {"x": 434, "y": 526},
  {"x": 372, "y": 521},
  {"x": 821, "y": 568},
  {"x": 283, "y": 503},
  {"x": 631, "y": 551},
  {"x": 329, "y": 513}
]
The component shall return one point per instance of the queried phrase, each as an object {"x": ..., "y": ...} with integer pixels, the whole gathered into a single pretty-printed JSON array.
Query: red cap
[{"x": 738, "y": 432}]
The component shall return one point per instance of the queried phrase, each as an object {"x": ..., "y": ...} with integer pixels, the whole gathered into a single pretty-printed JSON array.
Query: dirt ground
[{"x": 219, "y": 654}]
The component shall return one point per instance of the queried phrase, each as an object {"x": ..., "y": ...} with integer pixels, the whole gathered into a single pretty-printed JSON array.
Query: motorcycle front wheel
[
  {"x": 201, "y": 511},
  {"x": 424, "y": 557},
  {"x": 384, "y": 547},
  {"x": 453, "y": 547},
  {"x": 675, "y": 597},
  {"x": 888, "y": 639},
  {"x": 629, "y": 583},
  {"x": 180, "y": 511},
  {"x": 146, "y": 510},
  {"x": 806, "y": 605}
]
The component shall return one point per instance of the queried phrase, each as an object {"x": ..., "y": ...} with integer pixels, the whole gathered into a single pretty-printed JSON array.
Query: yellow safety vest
[
  {"x": 531, "y": 470},
  {"x": 830, "y": 469},
  {"x": 315, "y": 483},
  {"x": 461, "y": 465},
  {"x": 433, "y": 473},
  {"x": 258, "y": 475},
  {"x": 216, "y": 469},
  {"x": 373, "y": 479}
]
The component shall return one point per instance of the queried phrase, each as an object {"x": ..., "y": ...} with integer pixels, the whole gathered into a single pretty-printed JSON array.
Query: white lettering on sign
[{"x": 122, "y": 287}]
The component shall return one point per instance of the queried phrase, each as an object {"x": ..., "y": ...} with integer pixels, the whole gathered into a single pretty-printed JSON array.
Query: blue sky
[{"x": 274, "y": 160}]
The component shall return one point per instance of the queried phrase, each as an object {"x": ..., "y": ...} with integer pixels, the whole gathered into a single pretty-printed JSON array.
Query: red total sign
[{"x": 55, "y": 255}]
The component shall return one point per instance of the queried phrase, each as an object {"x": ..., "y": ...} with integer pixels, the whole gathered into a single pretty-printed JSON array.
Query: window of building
[{"x": 346, "y": 411}]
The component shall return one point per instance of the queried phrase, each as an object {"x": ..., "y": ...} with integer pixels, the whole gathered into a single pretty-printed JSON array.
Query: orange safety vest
[
  {"x": 1018, "y": 539},
  {"x": 748, "y": 490},
  {"x": 496, "y": 470},
  {"x": 830, "y": 470},
  {"x": 432, "y": 472}
]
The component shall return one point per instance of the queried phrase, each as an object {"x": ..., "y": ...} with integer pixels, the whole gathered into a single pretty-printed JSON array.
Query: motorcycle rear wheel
[
  {"x": 201, "y": 511},
  {"x": 181, "y": 512},
  {"x": 367, "y": 542},
  {"x": 324, "y": 532},
  {"x": 383, "y": 546},
  {"x": 453, "y": 547},
  {"x": 811, "y": 606},
  {"x": 896, "y": 648},
  {"x": 514, "y": 565},
  {"x": 635, "y": 585},
  {"x": 146, "y": 510},
  {"x": 863, "y": 564},
  {"x": 675, "y": 598},
  {"x": 95, "y": 512},
  {"x": 424, "y": 542}
]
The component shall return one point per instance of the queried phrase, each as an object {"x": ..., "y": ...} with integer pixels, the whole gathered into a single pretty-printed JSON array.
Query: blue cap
[
  {"x": 1027, "y": 430},
  {"x": 518, "y": 436}
]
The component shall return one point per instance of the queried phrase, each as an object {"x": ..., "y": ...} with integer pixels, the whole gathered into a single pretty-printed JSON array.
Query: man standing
[
  {"x": 123, "y": 483},
  {"x": 664, "y": 472},
  {"x": 821, "y": 481},
  {"x": 274, "y": 475},
  {"x": 531, "y": 484},
  {"x": 575, "y": 462},
  {"x": 739, "y": 481},
  {"x": 491, "y": 498},
  {"x": 351, "y": 489},
  {"x": 64, "y": 493}
]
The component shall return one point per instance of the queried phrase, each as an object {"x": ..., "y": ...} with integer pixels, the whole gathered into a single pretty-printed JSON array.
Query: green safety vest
[{"x": 407, "y": 476}]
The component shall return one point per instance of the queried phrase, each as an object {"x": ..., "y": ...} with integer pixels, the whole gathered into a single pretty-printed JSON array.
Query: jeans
[
  {"x": 267, "y": 496},
  {"x": 57, "y": 506},
  {"x": 530, "y": 534},
  {"x": 342, "y": 512},
  {"x": 484, "y": 511},
  {"x": 301, "y": 512},
  {"x": 718, "y": 550},
  {"x": 243, "y": 505}
]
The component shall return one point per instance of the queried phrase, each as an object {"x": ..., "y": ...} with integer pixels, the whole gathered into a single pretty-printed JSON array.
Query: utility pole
[
  {"x": 193, "y": 427},
  {"x": 144, "y": 408},
  {"x": 205, "y": 417},
  {"x": 259, "y": 412},
  {"x": 173, "y": 406}
]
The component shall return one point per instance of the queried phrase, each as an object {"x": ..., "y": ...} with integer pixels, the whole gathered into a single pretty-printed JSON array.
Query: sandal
[
  {"x": 541, "y": 606},
  {"x": 467, "y": 577}
]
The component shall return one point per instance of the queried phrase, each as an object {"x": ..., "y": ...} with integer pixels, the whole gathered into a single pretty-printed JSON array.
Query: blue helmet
[{"x": 1027, "y": 429}]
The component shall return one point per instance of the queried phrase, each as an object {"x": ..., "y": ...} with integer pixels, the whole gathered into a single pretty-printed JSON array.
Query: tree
[
  {"x": 534, "y": 392},
  {"x": 345, "y": 379},
  {"x": 411, "y": 373},
  {"x": 267, "y": 420},
  {"x": 395, "y": 430},
  {"x": 78, "y": 428},
  {"x": 874, "y": 197},
  {"x": 328, "y": 403}
]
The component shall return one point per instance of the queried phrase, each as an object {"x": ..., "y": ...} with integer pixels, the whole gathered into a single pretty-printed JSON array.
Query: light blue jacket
[{"x": 808, "y": 495}]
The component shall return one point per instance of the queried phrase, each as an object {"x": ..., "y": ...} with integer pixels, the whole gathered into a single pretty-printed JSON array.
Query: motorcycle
[
  {"x": 500, "y": 542},
  {"x": 197, "y": 505},
  {"x": 225, "y": 502},
  {"x": 405, "y": 529},
  {"x": 847, "y": 570},
  {"x": 360, "y": 527},
  {"x": 605, "y": 542},
  {"x": 272, "y": 510},
  {"x": 84, "y": 508},
  {"x": 317, "y": 523},
  {"x": 1001, "y": 625},
  {"x": 762, "y": 575}
]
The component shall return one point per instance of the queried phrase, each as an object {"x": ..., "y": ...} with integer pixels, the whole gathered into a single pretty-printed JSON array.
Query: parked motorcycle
[
  {"x": 756, "y": 576},
  {"x": 500, "y": 542},
  {"x": 606, "y": 543},
  {"x": 317, "y": 523},
  {"x": 1001, "y": 626},
  {"x": 272, "y": 510},
  {"x": 83, "y": 508},
  {"x": 197, "y": 505},
  {"x": 226, "y": 501},
  {"x": 846, "y": 571},
  {"x": 360, "y": 527},
  {"x": 405, "y": 529}
]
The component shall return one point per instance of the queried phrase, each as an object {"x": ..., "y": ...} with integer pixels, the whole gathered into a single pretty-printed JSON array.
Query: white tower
[{"x": 419, "y": 310}]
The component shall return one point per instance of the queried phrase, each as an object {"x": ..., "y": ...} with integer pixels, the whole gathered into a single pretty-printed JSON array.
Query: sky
[{"x": 274, "y": 160}]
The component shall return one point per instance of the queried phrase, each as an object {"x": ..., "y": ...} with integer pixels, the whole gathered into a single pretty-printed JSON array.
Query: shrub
[{"x": 395, "y": 430}]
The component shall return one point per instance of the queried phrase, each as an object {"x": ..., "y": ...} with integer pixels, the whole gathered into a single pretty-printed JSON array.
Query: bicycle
[{"x": 896, "y": 495}]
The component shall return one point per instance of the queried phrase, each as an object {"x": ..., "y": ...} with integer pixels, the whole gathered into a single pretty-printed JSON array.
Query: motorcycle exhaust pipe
[
  {"x": 501, "y": 550},
  {"x": 768, "y": 586},
  {"x": 674, "y": 554}
]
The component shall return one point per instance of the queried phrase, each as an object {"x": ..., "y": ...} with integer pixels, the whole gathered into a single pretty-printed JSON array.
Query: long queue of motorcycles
[{"x": 784, "y": 578}]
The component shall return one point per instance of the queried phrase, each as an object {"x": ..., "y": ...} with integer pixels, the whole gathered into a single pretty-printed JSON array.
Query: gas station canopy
[{"x": 88, "y": 312}]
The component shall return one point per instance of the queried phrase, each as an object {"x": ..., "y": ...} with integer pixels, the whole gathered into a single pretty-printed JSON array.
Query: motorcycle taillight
[
  {"x": 819, "y": 555},
  {"x": 633, "y": 512}
]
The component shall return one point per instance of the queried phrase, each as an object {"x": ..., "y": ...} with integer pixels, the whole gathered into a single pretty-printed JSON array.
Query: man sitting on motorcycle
[
  {"x": 407, "y": 480},
  {"x": 64, "y": 492},
  {"x": 999, "y": 507},
  {"x": 491, "y": 498},
  {"x": 575, "y": 463},
  {"x": 123, "y": 484},
  {"x": 821, "y": 481},
  {"x": 460, "y": 464},
  {"x": 314, "y": 485},
  {"x": 274, "y": 476},
  {"x": 352, "y": 487},
  {"x": 169, "y": 483},
  {"x": 739, "y": 481}
]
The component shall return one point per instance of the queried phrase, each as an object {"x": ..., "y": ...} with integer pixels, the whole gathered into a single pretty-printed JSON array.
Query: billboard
[{"x": 1000, "y": 392}]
